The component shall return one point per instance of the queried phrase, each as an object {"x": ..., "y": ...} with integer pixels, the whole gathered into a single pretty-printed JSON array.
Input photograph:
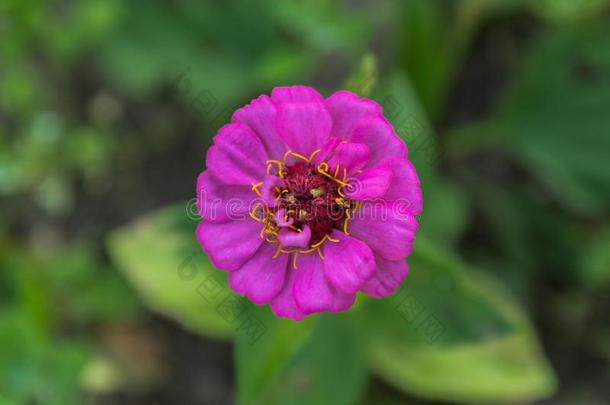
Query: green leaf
[
  {"x": 527, "y": 232},
  {"x": 161, "y": 43},
  {"x": 569, "y": 11},
  {"x": 452, "y": 334},
  {"x": 282, "y": 64},
  {"x": 596, "y": 257},
  {"x": 322, "y": 24},
  {"x": 424, "y": 50},
  {"x": 37, "y": 369},
  {"x": 554, "y": 116},
  {"x": 434, "y": 40},
  {"x": 260, "y": 361},
  {"x": 160, "y": 256},
  {"x": 401, "y": 106},
  {"x": 446, "y": 212},
  {"x": 328, "y": 368},
  {"x": 363, "y": 79},
  {"x": 504, "y": 369}
]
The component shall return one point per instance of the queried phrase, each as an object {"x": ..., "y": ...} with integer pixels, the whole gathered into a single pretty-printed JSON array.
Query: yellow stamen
[
  {"x": 317, "y": 192},
  {"x": 277, "y": 252},
  {"x": 348, "y": 217},
  {"x": 314, "y": 153},
  {"x": 336, "y": 171},
  {"x": 294, "y": 260},
  {"x": 323, "y": 170},
  {"x": 279, "y": 165},
  {"x": 315, "y": 245},
  {"x": 297, "y": 155},
  {"x": 332, "y": 239},
  {"x": 255, "y": 217},
  {"x": 340, "y": 201},
  {"x": 255, "y": 187}
]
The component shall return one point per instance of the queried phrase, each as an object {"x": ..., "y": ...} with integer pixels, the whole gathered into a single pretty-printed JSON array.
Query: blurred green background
[{"x": 107, "y": 108}]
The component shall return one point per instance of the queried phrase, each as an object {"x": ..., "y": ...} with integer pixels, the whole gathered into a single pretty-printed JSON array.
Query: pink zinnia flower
[{"x": 306, "y": 201}]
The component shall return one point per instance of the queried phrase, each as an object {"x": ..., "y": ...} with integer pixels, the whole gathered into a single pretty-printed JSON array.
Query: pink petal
[
  {"x": 267, "y": 190},
  {"x": 259, "y": 116},
  {"x": 379, "y": 136},
  {"x": 238, "y": 156},
  {"x": 291, "y": 94},
  {"x": 347, "y": 110},
  {"x": 347, "y": 263},
  {"x": 388, "y": 276},
  {"x": 312, "y": 291},
  {"x": 350, "y": 156},
  {"x": 292, "y": 239},
  {"x": 261, "y": 278},
  {"x": 218, "y": 202},
  {"x": 371, "y": 183},
  {"x": 304, "y": 126},
  {"x": 385, "y": 227},
  {"x": 284, "y": 305},
  {"x": 343, "y": 302},
  {"x": 326, "y": 151},
  {"x": 280, "y": 218},
  {"x": 405, "y": 187},
  {"x": 229, "y": 245}
]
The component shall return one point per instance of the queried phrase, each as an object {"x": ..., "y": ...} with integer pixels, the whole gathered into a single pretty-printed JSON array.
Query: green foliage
[
  {"x": 43, "y": 292},
  {"x": 163, "y": 44},
  {"x": 454, "y": 333},
  {"x": 566, "y": 11},
  {"x": 434, "y": 38},
  {"x": 106, "y": 105},
  {"x": 363, "y": 81},
  {"x": 504, "y": 369},
  {"x": 450, "y": 212},
  {"x": 596, "y": 258},
  {"x": 553, "y": 115},
  {"x": 161, "y": 258},
  {"x": 260, "y": 362},
  {"x": 324, "y": 24},
  {"x": 568, "y": 103},
  {"x": 327, "y": 367}
]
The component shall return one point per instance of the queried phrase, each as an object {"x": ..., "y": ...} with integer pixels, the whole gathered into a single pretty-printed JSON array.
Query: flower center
[
  {"x": 312, "y": 199},
  {"x": 304, "y": 205}
]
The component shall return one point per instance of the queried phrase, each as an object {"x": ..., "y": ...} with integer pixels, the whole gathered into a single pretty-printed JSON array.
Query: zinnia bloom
[{"x": 306, "y": 201}]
